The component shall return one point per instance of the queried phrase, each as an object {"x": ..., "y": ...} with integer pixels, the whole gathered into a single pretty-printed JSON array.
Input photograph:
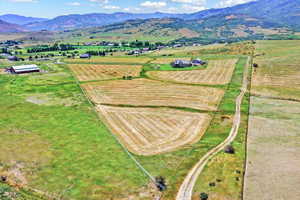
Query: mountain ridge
[
  {"x": 284, "y": 12},
  {"x": 20, "y": 20}
]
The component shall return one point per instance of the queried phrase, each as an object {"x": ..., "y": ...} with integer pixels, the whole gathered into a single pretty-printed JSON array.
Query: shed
[
  {"x": 12, "y": 58},
  {"x": 86, "y": 55},
  {"x": 198, "y": 61},
  {"x": 21, "y": 69}
]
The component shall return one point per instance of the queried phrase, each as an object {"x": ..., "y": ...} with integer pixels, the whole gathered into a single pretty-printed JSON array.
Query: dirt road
[{"x": 186, "y": 189}]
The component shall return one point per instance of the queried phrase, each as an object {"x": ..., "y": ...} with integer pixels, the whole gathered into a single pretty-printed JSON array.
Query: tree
[
  {"x": 229, "y": 149},
  {"x": 203, "y": 196},
  {"x": 161, "y": 183}
]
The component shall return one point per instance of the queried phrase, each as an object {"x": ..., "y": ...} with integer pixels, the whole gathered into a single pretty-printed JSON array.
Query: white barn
[{"x": 24, "y": 69}]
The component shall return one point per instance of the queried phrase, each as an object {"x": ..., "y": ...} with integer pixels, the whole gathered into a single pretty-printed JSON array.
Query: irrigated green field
[{"x": 52, "y": 140}]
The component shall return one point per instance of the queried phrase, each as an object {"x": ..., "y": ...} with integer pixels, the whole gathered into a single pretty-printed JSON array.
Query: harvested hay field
[
  {"x": 121, "y": 60},
  {"x": 218, "y": 72},
  {"x": 150, "y": 131},
  {"x": 144, "y": 92},
  {"x": 104, "y": 72},
  {"x": 273, "y": 150},
  {"x": 278, "y": 72}
]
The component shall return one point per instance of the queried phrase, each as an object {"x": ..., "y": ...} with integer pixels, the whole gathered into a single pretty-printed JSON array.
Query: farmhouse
[
  {"x": 12, "y": 58},
  {"x": 197, "y": 62},
  {"x": 181, "y": 63},
  {"x": 86, "y": 55},
  {"x": 24, "y": 69}
]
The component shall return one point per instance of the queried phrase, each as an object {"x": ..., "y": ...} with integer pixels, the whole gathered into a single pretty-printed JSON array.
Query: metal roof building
[{"x": 24, "y": 69}]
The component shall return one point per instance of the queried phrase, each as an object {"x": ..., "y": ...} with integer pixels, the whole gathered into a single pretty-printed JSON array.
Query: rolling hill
[
  {"x": 10, "y": 28},
  {"x": 20, "y": 20},
  {"x": 211, "y": 29},
  {"x": 68, "y": 22},
  {"x": 285, "y": 12}
]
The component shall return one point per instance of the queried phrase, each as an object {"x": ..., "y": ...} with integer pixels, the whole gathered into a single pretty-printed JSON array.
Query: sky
[{"x": 53, "y": 8}]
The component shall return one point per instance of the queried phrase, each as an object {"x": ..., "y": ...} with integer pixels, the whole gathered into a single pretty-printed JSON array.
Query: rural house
[
  {"x": 24, "y": 69},
  {"x": 12, "y": 58},
  {"x": 181, "y": 63},
  {"x": 86, "y": 55},
  {"x": 197, "y": 62}
]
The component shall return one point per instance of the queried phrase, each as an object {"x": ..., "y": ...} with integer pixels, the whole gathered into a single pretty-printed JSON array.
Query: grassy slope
[{"x": 64, "y": 149}]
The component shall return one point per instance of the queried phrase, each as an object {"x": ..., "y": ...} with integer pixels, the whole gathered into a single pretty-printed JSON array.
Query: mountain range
[
  {"x": 256, "y": 17},
  {"x": 8, "y": 27},
  {"x": 20, "y": 20}
]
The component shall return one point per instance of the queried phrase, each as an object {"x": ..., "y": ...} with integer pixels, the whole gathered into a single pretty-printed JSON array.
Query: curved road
[{"x": 186, "y": 189}]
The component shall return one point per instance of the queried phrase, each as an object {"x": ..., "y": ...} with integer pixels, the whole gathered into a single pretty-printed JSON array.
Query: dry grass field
[
  {"x": 108, "y": 59},
  {"x": 273, "y": 150},
  {"x": 186, "y": 50},
  {"x": 150, "y": 131},
  {"x": 104, "y": 72},
  {"x": 218, "y": 72},
  {"x": 278, "y": 73},
  {"x": 144, "y": 92}
]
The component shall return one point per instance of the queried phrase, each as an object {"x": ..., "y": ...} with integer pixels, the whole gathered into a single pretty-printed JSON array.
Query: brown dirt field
[
  {"x": 104, "y": 72},
  {"x": 144, "y": 92},
  {"x": 150, "y": 131},
  {"x": 217, "y": 72},
  {"x": 265, "y": 31},
  {"x": 273, "y": 161}
]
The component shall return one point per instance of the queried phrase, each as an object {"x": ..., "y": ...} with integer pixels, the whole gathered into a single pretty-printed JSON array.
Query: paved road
[{"x": 186, "y": 189}]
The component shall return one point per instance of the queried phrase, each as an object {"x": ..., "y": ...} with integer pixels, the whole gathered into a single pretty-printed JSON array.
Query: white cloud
[
  {"x": 74, "y": 4},
  {"x": 228, "y": 3},
  {"x": 100, "y": 1},
  {"x": 135, "y": 9},
  {"x": 195, "y": 2},
  {"x": 110, "y": 7},
  {"x": 153, "y": 4},
  {"x": 24, "y": 1},
  {"x": 188, "y": 8}
]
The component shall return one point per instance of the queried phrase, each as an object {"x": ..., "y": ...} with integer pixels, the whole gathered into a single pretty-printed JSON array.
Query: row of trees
[{"x": 55, "y": 47}]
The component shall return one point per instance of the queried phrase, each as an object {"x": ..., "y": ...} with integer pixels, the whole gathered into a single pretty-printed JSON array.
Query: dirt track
[{"x": 186, "y": 189}]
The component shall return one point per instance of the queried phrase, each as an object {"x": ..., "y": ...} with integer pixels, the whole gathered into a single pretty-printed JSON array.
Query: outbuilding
[
  {"x": 21, "y": 69},
  {"x": 86, "y": 55},
  {"x": 12, "y": 58},
  {"x": 181, "y": 63},
  {"x": 197, "y": 62}
]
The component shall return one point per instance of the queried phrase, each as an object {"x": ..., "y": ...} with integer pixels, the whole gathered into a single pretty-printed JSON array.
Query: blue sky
[{"x": 53, "y": 8}]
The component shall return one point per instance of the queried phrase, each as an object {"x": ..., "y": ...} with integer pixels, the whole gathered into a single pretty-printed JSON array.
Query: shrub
[
  {"x": 229, "y": 149},
  {"x": 203, "y": 196}
]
